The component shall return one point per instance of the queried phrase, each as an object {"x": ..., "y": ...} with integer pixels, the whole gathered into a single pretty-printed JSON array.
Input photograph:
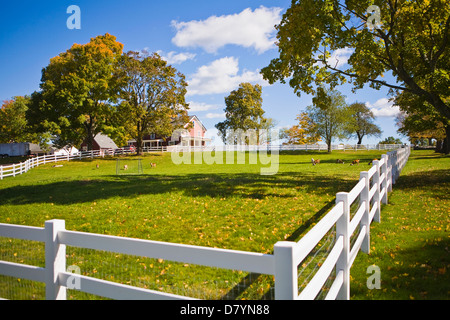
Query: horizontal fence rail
[{"x": 371, "y": 190}]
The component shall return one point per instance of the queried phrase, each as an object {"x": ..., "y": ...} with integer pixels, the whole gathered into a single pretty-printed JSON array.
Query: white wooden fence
[{"x": 372, "y": 190}]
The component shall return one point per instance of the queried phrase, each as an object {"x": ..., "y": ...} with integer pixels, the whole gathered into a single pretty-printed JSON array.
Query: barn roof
[{"x": 104, "y": 142}]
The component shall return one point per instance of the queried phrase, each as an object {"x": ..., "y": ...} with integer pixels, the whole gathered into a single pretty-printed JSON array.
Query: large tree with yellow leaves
[{"x": 78, "y": 88}]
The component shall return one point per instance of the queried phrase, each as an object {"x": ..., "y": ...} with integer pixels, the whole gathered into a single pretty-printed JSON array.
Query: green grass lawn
[
  {"x": 226, "y": 206},
  {"x": 411, "y": 244}
]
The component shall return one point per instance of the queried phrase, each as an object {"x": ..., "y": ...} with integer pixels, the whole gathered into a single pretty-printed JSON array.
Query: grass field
[
  {"x": 411, "y": 244},
  {"x": 226, "y": 206}
]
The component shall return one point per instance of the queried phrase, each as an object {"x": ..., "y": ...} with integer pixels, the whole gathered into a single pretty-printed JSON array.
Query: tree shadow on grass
[
  {"x": 253, "y": 186},
  {"x": 252, "y": 278},
  {"x": 436, "y": 182},
  {"x": 424, "y": 272},
  {"x": 416, "y": 272}
]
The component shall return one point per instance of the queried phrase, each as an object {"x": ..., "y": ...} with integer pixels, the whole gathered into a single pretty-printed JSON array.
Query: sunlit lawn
[
  {"x": 226, "y": 206},
  {"x": 411, "y": 244}
]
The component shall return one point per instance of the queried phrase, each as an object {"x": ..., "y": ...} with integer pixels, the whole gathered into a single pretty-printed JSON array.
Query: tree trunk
[
  {"x": 90, "y": 138},
  {"x": 139, "y": 138},
  {"x": 360, "y": 137},
  {"x": 439, "y": 145},
  {"x": 446, "y": 144},
  {"x": 139, "y": 145},
  {"x": 89, "y": 125}
]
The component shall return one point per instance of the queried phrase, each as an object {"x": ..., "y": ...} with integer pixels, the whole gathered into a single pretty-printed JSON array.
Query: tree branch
[{"x": 353, "y": 75}]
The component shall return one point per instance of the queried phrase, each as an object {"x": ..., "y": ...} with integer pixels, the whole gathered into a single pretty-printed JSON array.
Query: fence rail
[{"x": 371, "y": 190}]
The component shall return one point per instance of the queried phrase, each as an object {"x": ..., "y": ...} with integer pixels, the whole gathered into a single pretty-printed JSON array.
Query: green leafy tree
[
  {"x": 361, "y": 122},
  {"x": 14, "y": 126},
  {"x": 391, "y": 140},
  {"x": 152, "y": 97},
  {"x": 13, "y": 123},
  {"x": 419, "y": 127},
  {"x": 411, "y": 42},
  {"x": 243, "y": 112},
  {"x": 78, "y": 91},
  {"x": 330, "y": 114},
  {"x": 418, "y": 120}
]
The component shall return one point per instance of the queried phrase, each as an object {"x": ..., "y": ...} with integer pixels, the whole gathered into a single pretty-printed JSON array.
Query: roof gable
[
  {"x": 104, "y": 141},
  {"x": 195, "y": 118}
]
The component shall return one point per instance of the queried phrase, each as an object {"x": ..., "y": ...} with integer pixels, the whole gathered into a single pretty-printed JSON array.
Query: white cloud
[
  {"x": 248, "y": 29},
  {"x": 212, "y": 133},
  {"x": 176, "y": 58},
  {"x": 340, "y": 57},
  {"x": 337, "y": 59},
  {"x": 216, "y": 115},
  {"x": 383, "y": 108},
  {"x": 200, "y": 106},
  {"x": 221, "y": 76}
]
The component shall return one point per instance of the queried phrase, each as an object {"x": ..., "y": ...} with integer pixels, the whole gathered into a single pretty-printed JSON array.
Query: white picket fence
[{"x": 372, "y": 190}]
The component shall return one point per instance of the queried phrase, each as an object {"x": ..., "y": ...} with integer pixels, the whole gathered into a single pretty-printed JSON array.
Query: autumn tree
[
  {"x": 361, "y": 122},
  {"x": 418, "y": 127},
  {"x": 152, "y": 97},
  {"x": 418, "y": 120},
  {"x": 244, "y": 113},
  {"x": 330, "y": 114},
  {"x": 78, "y": 90},
  {"x": 13, "y": 123},
  {"x": 410, "y": 42},
  {"x": 304, "y": 132},
  {"x": 14, "y": 126}
]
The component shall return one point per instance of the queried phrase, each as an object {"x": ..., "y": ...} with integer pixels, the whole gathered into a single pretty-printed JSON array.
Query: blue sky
[{"x": 216, "y": 44}]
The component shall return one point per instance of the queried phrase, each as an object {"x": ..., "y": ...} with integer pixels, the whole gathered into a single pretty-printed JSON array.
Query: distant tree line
[{"x": 329, "y": 117}]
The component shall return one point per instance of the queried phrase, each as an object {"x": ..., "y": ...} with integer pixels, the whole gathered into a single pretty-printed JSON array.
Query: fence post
[
  {"x": 364, "y": 196},
  {"x": 389, "y": 172},
  {"x": 55, "y": 260},
  {"x": 395, "y": 167},
  {"x": 1, "y": 172},
  {"x": 376, "y": 196},
  {"x": 286, "y": 283},
  {"x": 384, "y": 183},
  {"x": 342, "y": 228}
]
